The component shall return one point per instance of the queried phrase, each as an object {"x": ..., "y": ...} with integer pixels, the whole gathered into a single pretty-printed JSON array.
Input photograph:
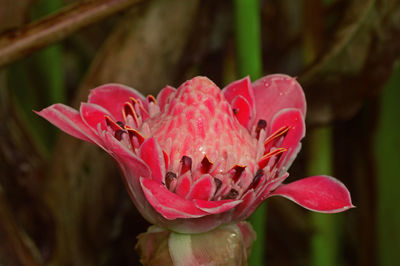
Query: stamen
[
  {"x": 135, "y": 135},
  {"x": 186, "y": 164},
  {"x": 169, "y": 177},
  {"x": 129, "y": 110},
  {"x": 139, "y": 107},
  {"x": 233, "y": 193},
  {"x": 120, "y": 124},
  {"x": 113, "y": 125},
  {"x": 256, "y": 179},
  {"x": 260, "y": 125},
  {"x": 276, "y": 134},
  {"x": 150, "y": 98},
  {"x": 265, "y": 158},
  {"x": 205, "y": 165},
  {"x": 235, "y": 111}
]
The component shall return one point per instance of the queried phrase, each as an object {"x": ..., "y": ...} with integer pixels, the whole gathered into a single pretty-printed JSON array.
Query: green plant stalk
[
  {"x": 387, "y": 145},
  {"x": 248, "y": 42},
  {"x": 248, "y": 37},
  {"x": 324, "y": 242},
  {"x": 50, "y": 59}
]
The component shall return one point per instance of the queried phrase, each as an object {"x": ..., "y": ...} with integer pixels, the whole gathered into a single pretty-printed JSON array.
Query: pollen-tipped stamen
[
  {"x": 129, "y": 110},
  {"x": 135, "y": 135},
  {"x": 112, "y": 124},
  {"x": 275, "y": 135},
  {"x": 138, "y": 106},
  {"x": 265, "y": 158},
  {"x": 150, "y": 98}
]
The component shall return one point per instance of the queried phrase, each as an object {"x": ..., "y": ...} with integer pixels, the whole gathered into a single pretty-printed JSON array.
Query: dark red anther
[
  {"x": 169, "y": 177},
  {"x": 256, "y": 179},
  {"x": 119, "y": 123},
  {"x": 261, "y": 124},
  {"x": 235, "y": 111},
  {"x": 186, "y": 164},
  {"x": 205, "y": 165},
  {"x": 238, "y": 172},
  {"x": 118, "y": 134},
  {"x": 233, "y": 193}
]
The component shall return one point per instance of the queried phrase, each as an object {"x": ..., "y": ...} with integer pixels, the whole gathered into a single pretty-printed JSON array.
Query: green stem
[
  {"x": 387, "y": 144},
  {"x": 248, "y": 37},
  {"x": 324, "y": 242},
  {"x": 248, "y": 41},
  {"x": 50, "y": 60}
]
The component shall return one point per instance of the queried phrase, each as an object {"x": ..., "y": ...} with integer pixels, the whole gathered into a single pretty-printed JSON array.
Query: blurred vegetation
[{"x": 62, "y": 201}]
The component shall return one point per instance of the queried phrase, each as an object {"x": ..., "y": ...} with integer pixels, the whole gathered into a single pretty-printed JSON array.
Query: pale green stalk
[
  {"x": 248, "y": 41},
  {"x": 387, "y": 155},
  {"x": 325, "y": 241}
]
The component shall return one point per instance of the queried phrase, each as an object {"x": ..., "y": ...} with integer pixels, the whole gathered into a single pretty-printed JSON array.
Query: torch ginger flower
[{"x": 197, "y": 157}]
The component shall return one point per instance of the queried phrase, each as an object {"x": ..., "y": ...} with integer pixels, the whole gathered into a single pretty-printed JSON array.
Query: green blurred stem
[
  {"x": 248, "y": 41},
  {"x": 324, "y": 242},
  {"x": 50, "y": 60},
  {"x": 387, "y": 146},
  {"x": 248, "y": 37}
]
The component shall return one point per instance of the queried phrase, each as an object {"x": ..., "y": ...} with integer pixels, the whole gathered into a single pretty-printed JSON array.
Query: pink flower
[{"x": 198, "y": 157}]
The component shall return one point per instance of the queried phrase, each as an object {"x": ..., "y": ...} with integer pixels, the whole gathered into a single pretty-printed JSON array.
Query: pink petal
[
  {"x": 133, "y": 168},
  {"x": 215, "y": 207},
  {"x": 242, "y": 210},
  {"x": 243, "y": 110},
  {"x": 151, "y": 153},
  {"x": 292, "y": 118},
  {"x": 317, "y": 193},
  {"x": 243, "y": 88},
  {"x": 93, "y": 114},
  {"x": 69, "y": 120},
  {"x": 275, "y": 92},
  {"x": 184, "y": 184},
  {"x": 239, "y": 87},
  {"x": 113, "y": 96},
  {"x": 167, "y": 203},
  {"x": 203, "y": 188},
  {"x": 163, "y": 98}
]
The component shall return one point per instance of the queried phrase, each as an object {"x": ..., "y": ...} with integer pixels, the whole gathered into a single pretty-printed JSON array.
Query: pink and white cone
[
  {"x": 196, "y": 157},
  {"x": 229, "y": 244}
]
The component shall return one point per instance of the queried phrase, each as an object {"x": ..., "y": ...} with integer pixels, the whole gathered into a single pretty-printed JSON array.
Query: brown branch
[{"x": 19, "y": 43}]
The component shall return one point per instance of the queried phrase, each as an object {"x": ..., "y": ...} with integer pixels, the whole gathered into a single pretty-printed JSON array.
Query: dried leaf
[{"x": 358, "y": 62}]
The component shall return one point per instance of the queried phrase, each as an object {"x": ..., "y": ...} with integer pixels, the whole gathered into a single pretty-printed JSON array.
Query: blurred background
[{"x": 63, "y": 202}]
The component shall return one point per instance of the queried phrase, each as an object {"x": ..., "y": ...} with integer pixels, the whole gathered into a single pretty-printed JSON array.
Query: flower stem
[
  {"x": 248, "y": 37},
  {"x": 324, "y": 243},
  {"x": 49, "y": 61},
  {"x": 387, "y": 143},
  {"x": 249, "y": 54}
]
